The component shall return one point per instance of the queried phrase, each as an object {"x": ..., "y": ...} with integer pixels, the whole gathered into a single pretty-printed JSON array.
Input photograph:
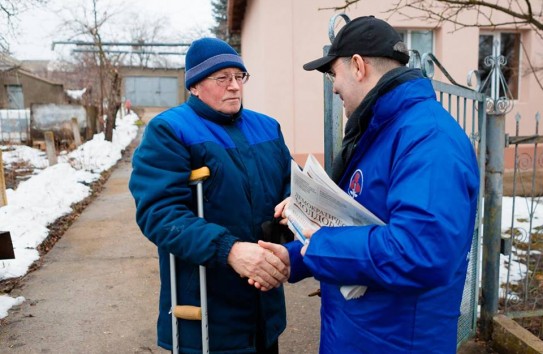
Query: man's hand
[
  {"x": 279, "y": 211},
  {"x": 279, "y": 251},
  {"x": 307, "y": 234},
  {"x": 258, "y": 264}
]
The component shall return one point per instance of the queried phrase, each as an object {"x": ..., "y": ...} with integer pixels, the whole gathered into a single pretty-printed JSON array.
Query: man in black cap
[{"x": 407, "y": 160}]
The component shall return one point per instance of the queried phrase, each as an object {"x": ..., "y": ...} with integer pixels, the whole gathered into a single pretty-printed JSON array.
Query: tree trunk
[{"x": 114, "y": 103}]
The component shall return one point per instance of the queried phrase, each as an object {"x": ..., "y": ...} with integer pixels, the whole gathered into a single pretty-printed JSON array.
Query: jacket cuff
[
  {"x": 224, "y": 245},
  {"x": 298, "y": 269}
]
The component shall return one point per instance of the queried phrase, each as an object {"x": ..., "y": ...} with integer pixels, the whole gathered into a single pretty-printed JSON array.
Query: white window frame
[{"x": 408, "y": 40}]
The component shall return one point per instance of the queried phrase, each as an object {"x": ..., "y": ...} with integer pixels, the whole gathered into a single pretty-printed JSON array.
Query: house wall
[
  {"x": 279, "y": 36},
  {"x": 35, "y": 90}
]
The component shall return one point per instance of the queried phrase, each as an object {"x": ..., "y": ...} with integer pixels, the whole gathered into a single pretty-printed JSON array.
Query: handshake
[{"x": 266, "y": 264}]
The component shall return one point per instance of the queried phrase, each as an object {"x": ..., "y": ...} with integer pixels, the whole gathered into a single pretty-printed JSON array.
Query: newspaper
[{"x": 317, "y": 201}]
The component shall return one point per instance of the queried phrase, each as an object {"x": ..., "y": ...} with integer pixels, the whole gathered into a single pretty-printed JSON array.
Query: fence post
[
  {"x": 50, "y": 147},
  {"x": 495, "y": 142},
  {"x": 3, "y": 197},
  {"x": 498, "y": 104},
  {"x": 333, "y": 110},
  {"x": 75, "y": 130},
  {"x": 333, "y": 123}
]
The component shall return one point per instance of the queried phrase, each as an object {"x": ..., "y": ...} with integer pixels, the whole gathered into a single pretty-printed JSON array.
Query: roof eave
[{"x": 235, "y": 12}]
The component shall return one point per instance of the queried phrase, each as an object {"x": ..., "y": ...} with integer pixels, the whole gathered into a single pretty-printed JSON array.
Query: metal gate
[
  {"x": 467, "y": 106},
  {"x": 146, "y": 91}
]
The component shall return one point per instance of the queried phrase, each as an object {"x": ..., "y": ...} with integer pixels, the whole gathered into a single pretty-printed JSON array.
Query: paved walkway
[{"x": 97, "y": 290}]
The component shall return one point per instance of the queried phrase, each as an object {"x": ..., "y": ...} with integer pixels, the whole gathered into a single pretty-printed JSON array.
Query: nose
[{"x": 233, "y": 84}]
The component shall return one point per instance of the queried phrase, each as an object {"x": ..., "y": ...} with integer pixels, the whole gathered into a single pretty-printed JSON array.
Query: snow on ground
[{"x": 50, "y": 192}]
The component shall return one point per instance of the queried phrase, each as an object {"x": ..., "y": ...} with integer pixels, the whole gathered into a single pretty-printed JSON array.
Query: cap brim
[{"x": 321, "y": 64}]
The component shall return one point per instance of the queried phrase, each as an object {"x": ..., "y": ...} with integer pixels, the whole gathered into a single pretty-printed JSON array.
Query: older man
[{"x": 250, "y": 174}]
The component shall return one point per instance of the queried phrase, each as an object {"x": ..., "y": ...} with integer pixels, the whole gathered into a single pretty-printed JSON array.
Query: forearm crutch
[{"x": 186, "y": 312}]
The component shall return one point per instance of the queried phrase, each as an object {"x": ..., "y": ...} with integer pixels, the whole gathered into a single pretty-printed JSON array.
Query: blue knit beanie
[{"x": 207, "y": 55}]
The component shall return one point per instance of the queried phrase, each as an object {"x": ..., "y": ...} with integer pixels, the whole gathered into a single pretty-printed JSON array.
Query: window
[
  {"x": 15, "y": 96},
  {"x": 420, "y": 40},
  {"x": 508, "y": 45}
]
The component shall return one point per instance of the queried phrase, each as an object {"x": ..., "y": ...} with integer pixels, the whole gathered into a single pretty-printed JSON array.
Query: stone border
[{"x": 511, "y": 338}]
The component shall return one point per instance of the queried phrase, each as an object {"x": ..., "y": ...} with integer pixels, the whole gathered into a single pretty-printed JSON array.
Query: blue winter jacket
[
  {"x": 416, "y": 170},
  {"x": 249, "y": 164}
]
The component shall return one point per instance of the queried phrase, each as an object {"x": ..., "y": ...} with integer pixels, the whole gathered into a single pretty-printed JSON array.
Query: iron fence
[{"x": 521, "y": 284}]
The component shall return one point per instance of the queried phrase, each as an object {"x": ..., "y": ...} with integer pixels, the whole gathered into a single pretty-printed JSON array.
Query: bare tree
[
  {"x": 142, "y": 29},
  {"x": 9, "y": 10},
  {"x": 519, "y": 13},
  {"x": 89, "y": 24}
]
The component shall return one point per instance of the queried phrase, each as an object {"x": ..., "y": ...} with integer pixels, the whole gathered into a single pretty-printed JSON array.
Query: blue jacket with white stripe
[{"x": 250, "y": 174}]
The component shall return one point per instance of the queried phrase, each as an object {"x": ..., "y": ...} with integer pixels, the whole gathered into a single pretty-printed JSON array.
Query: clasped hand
[
  {"x": 264, "y": 269},
  {"x": 266, "y": 281}
]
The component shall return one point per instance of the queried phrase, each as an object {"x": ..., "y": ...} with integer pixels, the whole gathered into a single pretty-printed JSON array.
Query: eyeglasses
[
  {"x": 330, "y": 76},
  {"x": 226, "y": 80}
]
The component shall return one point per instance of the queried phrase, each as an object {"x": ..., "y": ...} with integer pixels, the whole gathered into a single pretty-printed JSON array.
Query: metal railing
[{"x": 520, "y": 296}]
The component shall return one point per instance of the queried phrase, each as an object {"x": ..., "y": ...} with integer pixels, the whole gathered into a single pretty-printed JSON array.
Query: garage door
[{"x": 151, "y": 91}]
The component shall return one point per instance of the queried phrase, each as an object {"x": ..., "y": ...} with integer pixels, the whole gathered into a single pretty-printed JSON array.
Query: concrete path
[{"x": 97, "y": 289}]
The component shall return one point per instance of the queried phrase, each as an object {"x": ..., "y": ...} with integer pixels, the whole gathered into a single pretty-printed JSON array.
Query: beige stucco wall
[{"x": 279, "y": 36}]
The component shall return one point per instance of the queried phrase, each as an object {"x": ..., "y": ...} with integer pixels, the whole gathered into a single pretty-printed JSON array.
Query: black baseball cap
[{"x": 366, "y": 36}]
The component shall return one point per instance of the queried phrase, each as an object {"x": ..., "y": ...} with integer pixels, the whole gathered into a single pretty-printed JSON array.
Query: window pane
[
  {"x": 15, "y": 97},
  {"x": 422, "y": 41},
  {"x": 510, "y": 48},
  {"x": 485, "y": 50}
]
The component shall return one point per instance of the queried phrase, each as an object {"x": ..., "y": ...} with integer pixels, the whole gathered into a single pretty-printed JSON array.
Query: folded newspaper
[{"x": 317, "y": 201}]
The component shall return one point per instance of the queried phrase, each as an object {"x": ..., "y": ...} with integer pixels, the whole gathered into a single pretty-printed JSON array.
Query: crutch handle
[
  {"x": 199, "y": 174},
  {"x": 187, "y": 312}
]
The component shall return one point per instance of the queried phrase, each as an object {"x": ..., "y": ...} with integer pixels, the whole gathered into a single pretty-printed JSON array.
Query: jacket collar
[{"x": 206, "y": 112}]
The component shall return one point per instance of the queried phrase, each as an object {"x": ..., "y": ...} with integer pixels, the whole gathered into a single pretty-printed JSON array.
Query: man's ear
[
  {"x": 194, "y": 91},
  {"x": 358, "y": 65}
]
